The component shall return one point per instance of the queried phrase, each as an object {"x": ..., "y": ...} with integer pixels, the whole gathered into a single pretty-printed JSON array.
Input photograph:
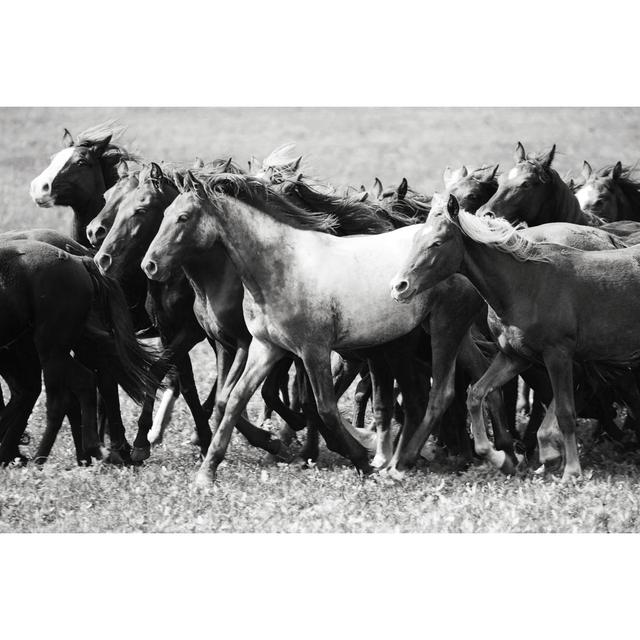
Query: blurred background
[{"x": 346, "y": 146}]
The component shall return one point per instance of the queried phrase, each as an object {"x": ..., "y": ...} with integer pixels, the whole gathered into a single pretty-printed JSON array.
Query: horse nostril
[
  {"x": 402, "y": 286},
  {"x": 104, "y": 261},
  {"x": 46, "y": 187},
  {"x": 100, "y": 233},
  {"x": 150, "y": 267}
]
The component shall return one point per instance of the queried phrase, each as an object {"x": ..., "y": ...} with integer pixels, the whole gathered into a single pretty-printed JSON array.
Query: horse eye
[
  {"x": 524, "y": 185},
  {"x": 183, "y": 217}
]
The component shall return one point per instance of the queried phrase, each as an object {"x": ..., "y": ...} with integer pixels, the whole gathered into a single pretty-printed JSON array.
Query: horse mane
[
  {"x": 494, "y": 232},
  {"x": 414, "y": 208},
  {"x": 99, "y": 133},
  {"x": 353, "y": 217},
  {"x": 257, "y": 193}
]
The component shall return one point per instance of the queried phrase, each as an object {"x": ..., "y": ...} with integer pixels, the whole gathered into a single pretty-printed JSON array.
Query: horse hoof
[
  {"x": 99, "y": 452},
  {"x": 204, "y": 480},
  {"x": 269, "y": 459},
  {"x": 25, "y": 438},
  {"x": 509, "y": 466},
  {"x": 139, "y": 454},
  {"x": 19, "y": 461},
  {"x": 393, "y": 473}
]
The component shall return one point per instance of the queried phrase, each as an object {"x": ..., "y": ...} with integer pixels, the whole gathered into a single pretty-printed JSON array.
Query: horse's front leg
[
  {"x": 500, "y": 371},
  {"x": 260, "y": 359}
]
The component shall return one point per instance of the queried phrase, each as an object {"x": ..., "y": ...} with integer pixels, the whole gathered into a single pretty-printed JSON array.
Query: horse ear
[
  {"x": 571, "y": 184},
  {"x": 194, "y": 184},
  {"x": 548, "y": 159},
  {"x": 447, "y": 176},
  {"x": 494, "y": 172},
  {"x": 453, "y": 207},
  {"x": 155, "y": 171},
  {"x": 586, "y": 170},
  {"x": 616, "y": 172},
  {"x": 198, "y": 163},
  {"x": 296, "y": 164},
  {"x": 362, "y": 196},
  {"x": 464, "y": 172},
  {"x": 377, "y": 188},
  {"x": 100, "y": 147},
  {"x": 122, "y": 169},
  {"x": 402, "y": 189},
  {"x": 67, "y": 138},
  {"x": 227, "y": 165},
  {"x": 178, "y": 178},
  {"x": 520, "y": 153}
]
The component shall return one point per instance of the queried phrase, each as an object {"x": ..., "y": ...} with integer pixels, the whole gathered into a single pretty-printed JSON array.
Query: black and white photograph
[{"x": 332, "y": 283}]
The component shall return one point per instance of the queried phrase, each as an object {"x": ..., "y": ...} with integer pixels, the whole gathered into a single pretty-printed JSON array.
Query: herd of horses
[{"x": 438, "y": 306}]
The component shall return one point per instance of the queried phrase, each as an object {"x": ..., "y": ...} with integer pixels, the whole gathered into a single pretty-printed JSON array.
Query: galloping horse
[
  {"x": 549, "y": 304},
  {"x": 294, "y": 300}
]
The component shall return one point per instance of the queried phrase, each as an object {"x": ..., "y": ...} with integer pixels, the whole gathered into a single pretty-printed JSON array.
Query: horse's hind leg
[
  {"x": 317, "y": 363},
  {"x": 261, "y": 358},
  {"x": 270, "y": 387},
  {"x": 21, "y": 371}
]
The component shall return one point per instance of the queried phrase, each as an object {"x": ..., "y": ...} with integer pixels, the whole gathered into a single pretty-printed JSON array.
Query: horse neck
[
  {"x": 82, "y": 215},
  {"x": 566, "y": 207},
  {"x": 255, "y": 242},
  {"x": 213, "y": 276},
  {"x": 495, "y": 274}
]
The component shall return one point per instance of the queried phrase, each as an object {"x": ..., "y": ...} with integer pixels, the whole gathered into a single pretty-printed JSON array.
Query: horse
[
  {"x": 54, "y": 303},
  {"x": 79, "y": 174},
  {"x": 307, "y": 292},
  {"x": 550, "y": 304},
  {"x": 533, "y": 192},
  {"x": 611, "y": 193},
  {"x": 471, "y": 188},
  {"x": 173, "y": 306}
]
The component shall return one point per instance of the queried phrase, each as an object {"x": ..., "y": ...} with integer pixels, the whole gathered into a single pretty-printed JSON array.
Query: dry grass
[{"x": 347, "y": 147}]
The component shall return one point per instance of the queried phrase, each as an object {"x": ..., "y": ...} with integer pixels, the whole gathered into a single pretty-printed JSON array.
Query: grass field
[{"x": 345, "y": 146}]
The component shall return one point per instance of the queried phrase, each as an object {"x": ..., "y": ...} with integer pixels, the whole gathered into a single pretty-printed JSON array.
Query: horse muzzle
[{"x": 401, "y": 290}]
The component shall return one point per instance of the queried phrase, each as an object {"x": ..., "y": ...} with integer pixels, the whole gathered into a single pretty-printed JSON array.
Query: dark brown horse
[
  {"x": 54, "y": 303},
  {"x": 550, "y": 304}
]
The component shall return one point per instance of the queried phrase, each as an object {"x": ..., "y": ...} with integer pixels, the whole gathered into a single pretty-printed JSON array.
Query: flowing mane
[
  {"x": 494, "y": 232},
  {"x": 114, "y": 152},
  {"x": 413, "y": 208},
  {"x": 256, "y": 193},
  {"x": 353, "y": 217}
]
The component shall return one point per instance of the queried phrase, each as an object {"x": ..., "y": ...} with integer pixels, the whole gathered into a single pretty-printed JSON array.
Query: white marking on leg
[{"x": 162, "y": 417}]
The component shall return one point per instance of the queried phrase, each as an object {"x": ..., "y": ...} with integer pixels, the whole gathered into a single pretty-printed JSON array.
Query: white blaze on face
[
  {"x": 587, "y": 195},
  {"x": 513, "y": 173},
  {"x": 40, "y": 190}
]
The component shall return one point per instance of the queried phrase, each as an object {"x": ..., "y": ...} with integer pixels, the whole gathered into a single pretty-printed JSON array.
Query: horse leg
[
  {"x": 476, "y": 364},
  {"x": 500, "y": 371},
  {"x": 510, "y": 400},
  {"x": 317, "y": 363},
  {"x": 383, "y": 400},
  {"x": 20, "y": 369},
  {"x": 360, "y": 400},
  {"x": 162, "y": 417},
  {"x": 260, "y": 359},
  {"x": 440, "y": 397},
  {"x": 270, "y": 394},
  {"x": 190, "y": 395},
  {"x": 550, "y": 446},
  {"x": 119, "y": 447}
]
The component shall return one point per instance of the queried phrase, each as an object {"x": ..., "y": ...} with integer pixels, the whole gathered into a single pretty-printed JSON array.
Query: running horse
[
  {"x": 550, "y": 304},
  {"x": 307, "y": 292}
]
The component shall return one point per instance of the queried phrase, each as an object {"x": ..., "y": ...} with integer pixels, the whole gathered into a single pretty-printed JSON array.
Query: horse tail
[{"x": 129, "y": 359}]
